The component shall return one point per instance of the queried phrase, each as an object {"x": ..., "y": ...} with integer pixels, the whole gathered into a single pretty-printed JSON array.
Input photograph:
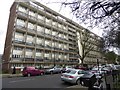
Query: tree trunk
[{"x": 82, "y": 62}]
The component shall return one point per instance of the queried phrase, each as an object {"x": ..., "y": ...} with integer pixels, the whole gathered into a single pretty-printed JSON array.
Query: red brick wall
[{"x": 8, "y": 41}]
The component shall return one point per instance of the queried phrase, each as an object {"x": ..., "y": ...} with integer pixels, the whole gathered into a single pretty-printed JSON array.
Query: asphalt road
[{"x": 45, "y": 81}]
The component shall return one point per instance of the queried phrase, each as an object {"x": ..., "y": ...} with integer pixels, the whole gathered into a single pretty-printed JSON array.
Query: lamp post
[{"x": 98, "y": 64}]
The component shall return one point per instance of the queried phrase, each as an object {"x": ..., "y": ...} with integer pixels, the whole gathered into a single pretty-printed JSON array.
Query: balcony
[
  {"x": 24, "y": 3},
  {"x": 47, "y": 59},
  {"x": 19, "y": 41},
  {"x": 38, "y": 59},
  {"x": 20, "y": 28},
  {"x": 33, "y": 6},
  {"x": 30, "y": 43},
  {"x": 40, "y": 33},
  {"x": 39, "y": 46},
  {"x": 17, "y": 60},
  {"x": 32, "y": 31},
  {"x": 29, "y": 59},
  {"x": 22, "y": 15},
  {"x": 48, "y": 35},
  {"x": 40, "y": 21},
  {"x": 60, "y": 39},
  {"x": 47, "y": 47},
  {"x": 32, "y": 18}
]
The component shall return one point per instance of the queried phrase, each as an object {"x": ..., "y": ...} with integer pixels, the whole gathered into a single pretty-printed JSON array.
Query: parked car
[
  {"x": 88, "y": 80},
  {"x": 66, "y": 68},
  {"x": 80, "y": 67},
  {"x": 73, "y": 76},
  {"x": 101, "y": 70},
  {"x": 97, "y": 71},
  {"x": 56, "y": 69},
  {"x": 32, "y": 71}
]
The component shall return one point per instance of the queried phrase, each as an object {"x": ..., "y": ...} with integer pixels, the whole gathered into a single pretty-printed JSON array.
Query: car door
[
  {"x": 80, "y": 73},
  {"x": 33, "y": 71}
]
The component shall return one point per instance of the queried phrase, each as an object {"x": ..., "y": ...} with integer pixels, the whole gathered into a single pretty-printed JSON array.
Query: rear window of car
[
  {"x": 29, "y": 68},
  {"x": 71, "y": 71}
]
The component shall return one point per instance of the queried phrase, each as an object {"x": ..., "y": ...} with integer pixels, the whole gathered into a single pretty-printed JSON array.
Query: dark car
[
  {"x": 88, "y": 79},
  {"x": 32, "y": 71}
]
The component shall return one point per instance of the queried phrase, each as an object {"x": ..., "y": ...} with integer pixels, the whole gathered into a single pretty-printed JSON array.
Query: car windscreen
[{"x": 24, "y": 68}]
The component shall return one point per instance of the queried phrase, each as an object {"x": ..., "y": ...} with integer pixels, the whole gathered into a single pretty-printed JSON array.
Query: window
[
  {"x": 40, "y": 29},
  {"x": 30, "y": 39},
  {"x": 65, "y": 56},
  {"x": 65, "y": 46},
  {"x": 56, "y": 44},
  {"x": 54, "y": 33},
  {"x": 59, "y": 25},
  {"x": 47, "y": 31},
  {"x": 22, "y": 9},
  {"x": 40, "y": 17},
  {"x": 20, "y": 22},
  {"x": 39, "y": 41},
  {"x": 39, "y": 54},
  {"x": 31, "y": 25},
  {"x": 54, "y": 23},
  {"x": 32, "y": 13},
  {"x": 47, "y": 43},
  {"x": 29, "y": 53},
  {"x": 47, "y": 54},
  {"x": 47, "y": 20},
  {"x": 17, "y": 48},
  {"x": 17, "y": 52},
  {"x": 19, "y": 36},
  {"x": 71, "y": 71}
]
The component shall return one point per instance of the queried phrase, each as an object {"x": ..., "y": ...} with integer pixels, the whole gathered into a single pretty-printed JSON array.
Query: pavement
[{"x": 10, "y": 75}]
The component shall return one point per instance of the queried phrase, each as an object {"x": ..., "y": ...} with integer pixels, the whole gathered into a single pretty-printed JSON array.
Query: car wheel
[
  {"x": 78, "y": 82},
  {"x": 51, "y": 72},
  {"x": 41, "y": 74},
  {"x": 82, "y": 83},
  {"x": 61, "y": 71},
  {"x": 28, "y": 74}
]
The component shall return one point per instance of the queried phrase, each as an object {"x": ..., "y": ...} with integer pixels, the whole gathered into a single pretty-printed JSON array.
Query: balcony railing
[
  {"x": 19, "y": 41},
  {"x": 39, "y": 59},
  {"x": 32, "y": 18},
  {"x": 23, "y": 28},
  {"x": 22, "y": 14},
  {"x": 29, "y": 59},
  {"x": 30, "y": 43},
  {"x": 32, "y": 30}
]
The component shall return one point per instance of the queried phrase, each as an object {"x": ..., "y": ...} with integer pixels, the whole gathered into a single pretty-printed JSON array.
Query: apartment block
[{"x": 39, "y": 36}]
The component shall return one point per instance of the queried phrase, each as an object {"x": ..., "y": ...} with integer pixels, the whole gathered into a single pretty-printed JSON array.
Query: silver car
[
  {"x": 53, "y": 70},
  {"x": 72, "y": 76}
]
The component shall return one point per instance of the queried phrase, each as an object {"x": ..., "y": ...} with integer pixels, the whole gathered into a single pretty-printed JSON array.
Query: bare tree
[
  {"x": 104, "y": 14},
  {"x": 84, "y": 43}
]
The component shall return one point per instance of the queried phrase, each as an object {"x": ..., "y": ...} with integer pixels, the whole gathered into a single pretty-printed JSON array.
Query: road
[{"x": 45, "y": 81}]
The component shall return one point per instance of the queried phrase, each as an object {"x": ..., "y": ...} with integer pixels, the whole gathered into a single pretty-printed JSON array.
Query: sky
[{"x": 5, "y": 10}]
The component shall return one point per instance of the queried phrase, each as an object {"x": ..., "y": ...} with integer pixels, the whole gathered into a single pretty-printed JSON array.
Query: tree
[
  {"x": 111, "y": 56},
  {"x": 104, "y": 14},
  {"x": 84, "y": 43}
]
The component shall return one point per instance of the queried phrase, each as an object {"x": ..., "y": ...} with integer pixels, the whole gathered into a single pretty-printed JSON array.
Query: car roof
[
  {"x": 30, "y": 67},
  {"x": 75, "y": 69}
]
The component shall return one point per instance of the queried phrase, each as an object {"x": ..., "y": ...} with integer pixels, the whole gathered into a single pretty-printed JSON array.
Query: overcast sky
[{"x": 4, "y": 15}]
